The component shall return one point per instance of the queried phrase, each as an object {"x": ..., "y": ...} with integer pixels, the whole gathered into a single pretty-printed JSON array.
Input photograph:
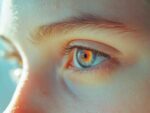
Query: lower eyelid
[
  {"x": 97, "y": 75},
  {"x": 100, "y": 73},
  {"x": 104, "y": 69},
  {"x": 110, "y": 66}
]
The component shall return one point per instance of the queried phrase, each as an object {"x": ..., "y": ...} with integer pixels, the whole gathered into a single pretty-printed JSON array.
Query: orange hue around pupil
[{"x": 87, "y": 56}]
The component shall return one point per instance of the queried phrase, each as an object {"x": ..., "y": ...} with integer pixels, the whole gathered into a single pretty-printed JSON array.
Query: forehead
[
  {"x": 29, "y": 15},
  {"x": 54, "y": 9}
]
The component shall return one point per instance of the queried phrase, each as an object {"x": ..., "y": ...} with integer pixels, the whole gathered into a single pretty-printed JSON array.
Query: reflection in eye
[{"x": 84, "y": 58}]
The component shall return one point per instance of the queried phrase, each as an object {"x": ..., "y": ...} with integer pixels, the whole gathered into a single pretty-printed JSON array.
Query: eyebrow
[
  {"x": 12, "y": 54},
  {"x": 84, "y": 21}
]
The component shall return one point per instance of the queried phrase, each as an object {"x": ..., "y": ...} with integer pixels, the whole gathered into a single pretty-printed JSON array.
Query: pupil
[
  {"x": 85, "y": 58},
  {"x": 85, "y": 55}
]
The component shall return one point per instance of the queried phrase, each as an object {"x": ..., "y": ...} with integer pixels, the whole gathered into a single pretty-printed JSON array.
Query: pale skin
[{"x": 42, "y": 29}]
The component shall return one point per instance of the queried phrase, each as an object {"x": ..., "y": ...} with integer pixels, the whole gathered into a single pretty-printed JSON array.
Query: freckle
[{"x": 45, "y": 93}]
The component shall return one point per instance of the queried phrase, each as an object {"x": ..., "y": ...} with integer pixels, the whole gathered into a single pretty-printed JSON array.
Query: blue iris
[{"x": 94, "y": 59}]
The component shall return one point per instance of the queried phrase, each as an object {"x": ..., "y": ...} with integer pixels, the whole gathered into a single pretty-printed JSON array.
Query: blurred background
[{"x": 7, "y": 85}]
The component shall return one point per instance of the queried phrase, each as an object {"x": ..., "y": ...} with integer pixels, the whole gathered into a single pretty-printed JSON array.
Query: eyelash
[
  {"x": 69, "y": 49},
  {"x": 13, "y": 55}
]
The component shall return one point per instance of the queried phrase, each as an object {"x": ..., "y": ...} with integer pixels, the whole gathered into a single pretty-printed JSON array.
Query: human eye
[
  {"x": 84, "y": 58},
  {"x": 10, "y": 56},
  {"x": 90, "y": 62}
]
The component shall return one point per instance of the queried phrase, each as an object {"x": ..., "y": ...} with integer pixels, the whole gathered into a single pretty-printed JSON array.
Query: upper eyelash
[
  {"x": 13, "y": 55},
  {"x": 10, "y": 54},
  {"x": 70, "y": 48}
]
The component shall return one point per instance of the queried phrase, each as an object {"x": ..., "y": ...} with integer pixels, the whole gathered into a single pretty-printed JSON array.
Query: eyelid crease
[
  {"x": 69, "y": 49},
  {"x": 93, "y": 45}
]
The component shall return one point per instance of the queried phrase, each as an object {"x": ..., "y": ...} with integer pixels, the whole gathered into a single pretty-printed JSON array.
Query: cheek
[
  {"x": 135, "y": 98},
  {"x": 145, "y": 93}
]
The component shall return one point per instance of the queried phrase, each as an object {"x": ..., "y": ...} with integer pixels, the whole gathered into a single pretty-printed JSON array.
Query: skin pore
[{"x": 51, "y": 36}]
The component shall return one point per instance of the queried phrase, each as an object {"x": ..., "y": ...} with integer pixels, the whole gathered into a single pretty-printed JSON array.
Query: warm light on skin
[{"x": 44, "y": 28}]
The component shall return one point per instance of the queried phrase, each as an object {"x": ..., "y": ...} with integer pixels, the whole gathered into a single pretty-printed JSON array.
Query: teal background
[{"x": 7, "y": 86}]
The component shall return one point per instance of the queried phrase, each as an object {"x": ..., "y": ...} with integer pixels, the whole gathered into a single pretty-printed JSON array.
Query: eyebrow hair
[{"x": 83, "y": 21}]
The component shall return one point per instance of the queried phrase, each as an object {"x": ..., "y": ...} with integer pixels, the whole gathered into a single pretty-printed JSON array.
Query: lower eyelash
[{"x": 105, "y": 69}]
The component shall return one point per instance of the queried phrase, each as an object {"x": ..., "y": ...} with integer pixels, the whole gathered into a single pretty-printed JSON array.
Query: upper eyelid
[
  {"x": 94, "y": 45},
  {"x": 87, "y": 48}
]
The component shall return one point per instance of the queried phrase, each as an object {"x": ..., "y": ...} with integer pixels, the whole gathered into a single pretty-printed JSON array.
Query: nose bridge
[{"x": 28, "y": 91}]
